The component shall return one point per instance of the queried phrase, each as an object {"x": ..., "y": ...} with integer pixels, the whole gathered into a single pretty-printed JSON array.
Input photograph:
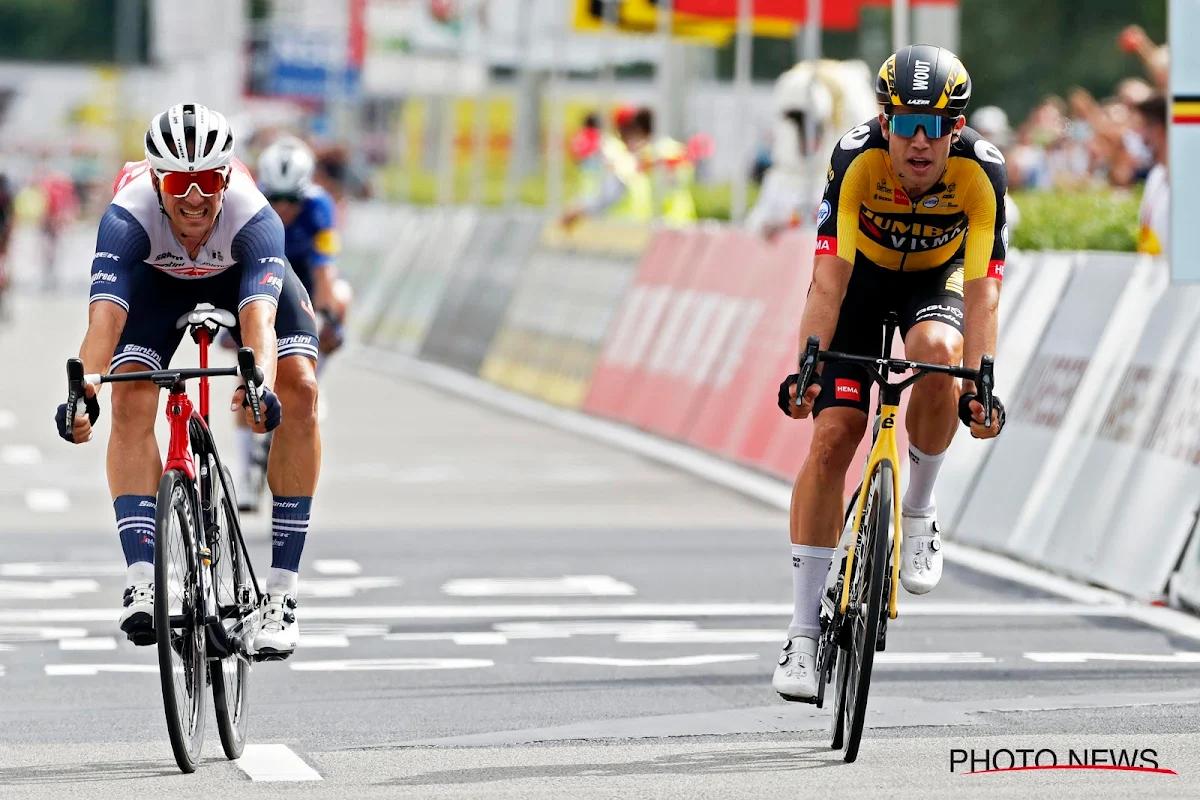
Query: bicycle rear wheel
[
  {"x": 179, "y": 617},
  {"x": 234, "y": 591},
  {"x": 866, "y": 606}
]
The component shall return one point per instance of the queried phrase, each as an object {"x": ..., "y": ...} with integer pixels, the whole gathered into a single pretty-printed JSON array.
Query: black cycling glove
[
  {"x": 66, "y": 427},
  {"x": 269, "y": 407},
  {"x": 785, "y": 394},
  {"x": 968, "y": 419}
]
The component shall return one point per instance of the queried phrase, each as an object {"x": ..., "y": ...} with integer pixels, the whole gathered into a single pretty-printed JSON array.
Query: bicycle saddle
[{"x": 206, "y": 312}]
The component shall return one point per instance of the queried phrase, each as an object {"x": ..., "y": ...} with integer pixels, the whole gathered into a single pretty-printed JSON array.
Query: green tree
[{"x": 63, "y": 30}]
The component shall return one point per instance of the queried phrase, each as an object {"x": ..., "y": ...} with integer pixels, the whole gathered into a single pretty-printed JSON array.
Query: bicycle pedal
[
  {"x": 271, "y": 655},
  {"x": 812, "y": 701},
  {"x": 142, "y": 637}
]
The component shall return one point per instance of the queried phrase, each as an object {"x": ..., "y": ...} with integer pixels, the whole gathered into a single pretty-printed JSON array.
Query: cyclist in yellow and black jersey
[
  {"x": 911, "y": 223},
  {"x": 868, "y": 218}
]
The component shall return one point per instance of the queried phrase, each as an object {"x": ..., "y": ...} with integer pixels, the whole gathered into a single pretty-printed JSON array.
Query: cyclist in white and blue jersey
[{"x": 188, "y": 225}]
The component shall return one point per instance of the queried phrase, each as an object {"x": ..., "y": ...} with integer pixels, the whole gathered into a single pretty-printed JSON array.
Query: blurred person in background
[
  {"x": 646, "y": 179},
  {"x": 1150, "y": 117},
  {"x": 60, "y": 205},
  {"x": 1155, "y": 58},
  {"x": 992, "y": 124},
  {"x": 586, "y": 148},
  {"x": 7, "y": 220},
  {"x": 813, "y": 106},
  {"x": 285, "y": 174}
]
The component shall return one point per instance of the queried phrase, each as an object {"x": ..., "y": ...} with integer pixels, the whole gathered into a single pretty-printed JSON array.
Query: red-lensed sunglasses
[{"x": 208, "y": 182}]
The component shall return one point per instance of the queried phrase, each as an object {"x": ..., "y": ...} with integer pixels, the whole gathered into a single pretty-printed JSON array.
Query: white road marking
[
  {"x": 88, "y": 643},
  {"x": 6, "y": 648},
  {"x": 351, "y": 631},
  {"x": 1, "y": 670},
  {"x": 336, "y": 566},
  {"x": 933, "y": 658},
  {"x": 679, "y": 661},
  {"x": 47, "y": 590},
  {"x": 323, "y": 640},
  {"x": 20, "y": 455},
  {"x": 480, "y": 637},
  {"x": 7, "y": 419},
  {"x": 1180, "y": 657},
  {"x": 566, "y": 586},
  {"x": 89, "y": 670},
  {"x": 568, "y": 628},
  {"x": 700, "y": 636},
  {"x": 345, "y": 587},
  {"x": 391, "y": 664},
  {"x": 23, "y": 634},
  {"x": 596, "y": 611},
  {"x": 67, "y": 569},
  {"x": 47, "y": 500},
  {"x": 274, "y": 762}
]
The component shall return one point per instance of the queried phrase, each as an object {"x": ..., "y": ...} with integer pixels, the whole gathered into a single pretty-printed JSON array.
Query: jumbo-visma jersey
[{"x": 865, "y": 216}]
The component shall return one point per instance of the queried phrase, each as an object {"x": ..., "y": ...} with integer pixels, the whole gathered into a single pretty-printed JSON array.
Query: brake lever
[
  {"x": 987, "y": 383},
  {"x": 75, "y": 393},
  {"x": 808, "y": 366},
  {"x": 252, "y": 376}
]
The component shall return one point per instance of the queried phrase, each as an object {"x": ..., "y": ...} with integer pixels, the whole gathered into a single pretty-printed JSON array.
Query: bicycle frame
[
  {"x": 181, "y": 412},
  {"x": 884, "y": 449}
]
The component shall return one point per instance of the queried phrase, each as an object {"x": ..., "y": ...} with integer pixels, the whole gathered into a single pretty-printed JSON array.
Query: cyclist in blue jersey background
[{"x": 311, "y": 240}]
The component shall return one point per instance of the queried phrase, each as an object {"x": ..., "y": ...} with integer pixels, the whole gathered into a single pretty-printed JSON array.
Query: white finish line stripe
[
  {"x": 600, "y": 611},
  {"x": 274, "y": 762}
]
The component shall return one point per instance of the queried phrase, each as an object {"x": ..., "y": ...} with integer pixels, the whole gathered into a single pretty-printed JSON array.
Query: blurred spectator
[
  {"x": 1154, "y": 216},
  {"x": 60, "y": 205},
  {"x": 992, "y": 124},
  {"x": 1154, "y": 57},
  {"x": 7, "y": 214},
  {"x": 586, "y": 149}
]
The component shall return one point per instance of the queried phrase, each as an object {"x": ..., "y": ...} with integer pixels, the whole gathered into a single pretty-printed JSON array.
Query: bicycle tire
[
  {"x": 866, "y": 591},
  {"x": 176, "y": 560},
  {"x": 837, "y": 722},
  {"x": 232, "y": 585}
]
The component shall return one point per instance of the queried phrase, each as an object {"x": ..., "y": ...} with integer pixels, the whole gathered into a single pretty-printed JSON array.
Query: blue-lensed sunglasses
[{"x": 906, "y": 125}]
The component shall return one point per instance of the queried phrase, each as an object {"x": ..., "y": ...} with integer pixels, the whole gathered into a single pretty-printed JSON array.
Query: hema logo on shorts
[{"x": 846, "y": 389}]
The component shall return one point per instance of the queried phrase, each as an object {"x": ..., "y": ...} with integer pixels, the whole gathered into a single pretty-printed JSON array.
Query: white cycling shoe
[
  {"x": 137, "y": 614},
  {"x": 795, "y": 676},
  {"x": 920, "y": 552},
  {"x": 279, "y": 632}
]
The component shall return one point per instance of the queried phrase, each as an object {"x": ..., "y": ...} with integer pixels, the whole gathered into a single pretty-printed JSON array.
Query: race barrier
[{"x": 686, "y": 334}]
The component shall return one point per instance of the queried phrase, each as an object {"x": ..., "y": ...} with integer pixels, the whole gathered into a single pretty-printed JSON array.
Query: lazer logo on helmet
[
  {"x": 921, "y": 76},
  {"x": 918, "y": 102}
]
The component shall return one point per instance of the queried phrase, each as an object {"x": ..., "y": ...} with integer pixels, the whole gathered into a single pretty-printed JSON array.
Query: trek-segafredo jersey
[{"x": 134, "y": 231}]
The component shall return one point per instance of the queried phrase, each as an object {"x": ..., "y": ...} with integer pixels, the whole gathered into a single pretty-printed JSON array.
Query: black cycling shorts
[
  {"x": 934, "y": 294},
  {"x": 158, "y": 300}
]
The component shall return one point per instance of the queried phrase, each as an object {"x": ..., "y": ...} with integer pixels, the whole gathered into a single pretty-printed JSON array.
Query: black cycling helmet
[{"x": 922, "y": 76}]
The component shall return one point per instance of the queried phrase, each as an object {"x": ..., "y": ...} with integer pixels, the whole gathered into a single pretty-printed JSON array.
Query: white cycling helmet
[
  {"x": 286, "y": 167},
  {"x": 189, "y": 138}
]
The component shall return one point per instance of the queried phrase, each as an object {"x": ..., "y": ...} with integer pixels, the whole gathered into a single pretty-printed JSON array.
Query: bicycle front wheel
[
  {"x": 179, "y": 617},
  {"x": 234, "y": 590},
  {"x": 866, "y": 604}
]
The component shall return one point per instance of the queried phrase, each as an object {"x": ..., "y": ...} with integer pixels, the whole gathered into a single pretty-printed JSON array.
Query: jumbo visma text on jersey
[{"x": 865, "y": 215}]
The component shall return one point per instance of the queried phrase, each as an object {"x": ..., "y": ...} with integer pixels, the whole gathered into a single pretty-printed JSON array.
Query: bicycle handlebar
[
  {"x": 250, "y": 373},
  {"x": 984, "y": 378}
]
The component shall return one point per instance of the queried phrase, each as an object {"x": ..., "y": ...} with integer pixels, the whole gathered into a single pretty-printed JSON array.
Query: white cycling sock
[
  {"x": 810, "y": 565},
  {"x": 282, "y": 581},
  {"x": 139, "y": 572},
  {"x": 922, "y": 474}
]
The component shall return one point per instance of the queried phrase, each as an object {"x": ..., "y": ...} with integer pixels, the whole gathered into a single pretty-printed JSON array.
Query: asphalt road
[{"x": 491, "y": 608}]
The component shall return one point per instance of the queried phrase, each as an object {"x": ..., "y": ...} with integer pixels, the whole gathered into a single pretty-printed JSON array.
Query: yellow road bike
[{"x": 853, "y": 622}]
